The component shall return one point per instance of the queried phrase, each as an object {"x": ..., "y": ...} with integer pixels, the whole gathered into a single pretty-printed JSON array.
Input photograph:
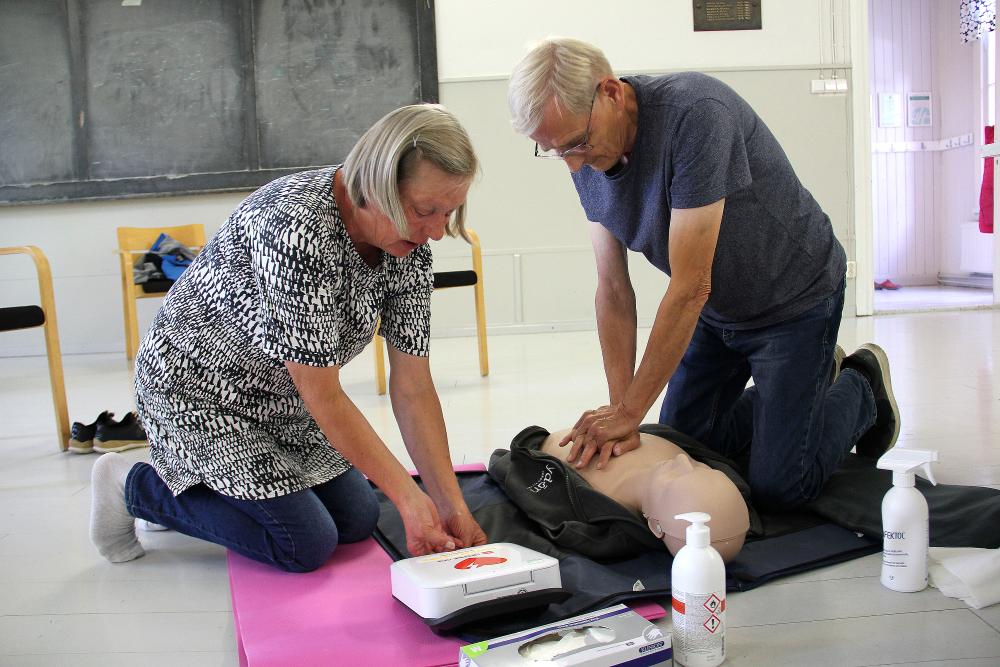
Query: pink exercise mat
[{"x": 341, "y": 614}]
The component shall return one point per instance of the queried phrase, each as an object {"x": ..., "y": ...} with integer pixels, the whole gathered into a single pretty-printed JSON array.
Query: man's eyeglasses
[{"x": 581, "y": 147}]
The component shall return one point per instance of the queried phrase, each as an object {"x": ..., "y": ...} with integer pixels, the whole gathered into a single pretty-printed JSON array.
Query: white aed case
[{"x": 439, "y": 585}]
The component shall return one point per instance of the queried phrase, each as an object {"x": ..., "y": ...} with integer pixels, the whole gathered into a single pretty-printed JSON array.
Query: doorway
[{"x": 932, "y": 94}]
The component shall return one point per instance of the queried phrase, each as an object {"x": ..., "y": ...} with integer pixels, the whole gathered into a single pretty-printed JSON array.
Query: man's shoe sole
[
  {"x": 105, "y": 446},
  {"x": 883, "y": 365},
  {"x": 838, "y": 359}
]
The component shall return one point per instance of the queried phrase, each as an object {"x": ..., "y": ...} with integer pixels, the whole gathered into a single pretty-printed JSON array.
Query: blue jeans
[
  {"x": 296, "y": 532},
  {"x": 792, "y": 428}
]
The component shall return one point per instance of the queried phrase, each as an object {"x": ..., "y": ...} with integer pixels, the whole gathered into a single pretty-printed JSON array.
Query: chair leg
[
  {"x": 56, "y": 379},
  {"x": 131, "y": 328},
  {"x": 477, "y": 266},
  {"x": 484, "y": 357},
  {"x": 52, "y": 349},
  {"x": 129, "y": 310},
  {"x": 379, "y": 365}
]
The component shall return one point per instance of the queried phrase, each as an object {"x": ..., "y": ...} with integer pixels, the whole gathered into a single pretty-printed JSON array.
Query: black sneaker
[
  {"x": 872, "y": 362},
  {"x": 81, "y": 436},
  {"x": 119, "y": 436}
]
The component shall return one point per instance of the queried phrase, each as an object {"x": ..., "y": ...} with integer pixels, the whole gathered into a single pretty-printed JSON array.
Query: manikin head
[{"x": 680, "y": 485}]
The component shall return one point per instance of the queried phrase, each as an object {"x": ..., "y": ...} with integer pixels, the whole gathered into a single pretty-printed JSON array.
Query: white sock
[
  {"x": 112, "y": 528},
  {"x": 149, "y": 526}
]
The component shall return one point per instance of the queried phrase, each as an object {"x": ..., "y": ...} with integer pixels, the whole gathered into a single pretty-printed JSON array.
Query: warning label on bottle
[{"x": 699, "y": 626}]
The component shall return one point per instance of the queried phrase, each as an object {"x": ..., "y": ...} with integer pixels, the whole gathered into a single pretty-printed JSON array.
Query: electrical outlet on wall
[{"x": 852, "y": 269}]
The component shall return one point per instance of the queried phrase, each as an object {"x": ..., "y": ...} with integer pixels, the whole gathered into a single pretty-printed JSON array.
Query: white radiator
[{"x": 977, "y": 250}]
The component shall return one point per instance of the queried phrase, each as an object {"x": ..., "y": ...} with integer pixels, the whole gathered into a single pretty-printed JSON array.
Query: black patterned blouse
[{"x": 280, "y": 281}]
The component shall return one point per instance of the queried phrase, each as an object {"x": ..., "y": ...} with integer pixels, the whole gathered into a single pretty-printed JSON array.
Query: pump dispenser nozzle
[
  {"x": 697, "y": 534},
  {"x": 904, "y": 462}
]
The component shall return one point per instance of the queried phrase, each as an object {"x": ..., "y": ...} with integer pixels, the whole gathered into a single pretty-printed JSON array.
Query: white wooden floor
[{"x": 61, "y": 604}]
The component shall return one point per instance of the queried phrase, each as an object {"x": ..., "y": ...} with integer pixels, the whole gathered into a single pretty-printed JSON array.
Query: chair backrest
[
  {"x": 26, "y": 317},
  {"x": 139, "y": 239},
  {"x": 44, "y": 274}
]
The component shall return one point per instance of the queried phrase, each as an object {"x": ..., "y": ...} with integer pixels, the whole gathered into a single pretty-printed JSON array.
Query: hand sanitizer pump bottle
[
  {"x": 698, "y": 580},
  {"x": 905, "y": 521}
]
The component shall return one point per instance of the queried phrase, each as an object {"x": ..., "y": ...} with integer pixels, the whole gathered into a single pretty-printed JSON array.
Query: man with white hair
[{"x": 680, "y": 168}]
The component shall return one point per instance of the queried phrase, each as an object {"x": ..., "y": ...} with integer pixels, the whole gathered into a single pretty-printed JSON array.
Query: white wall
[
  {"x": 538, "y": 265},
  {"x": 484, "y": 38}
]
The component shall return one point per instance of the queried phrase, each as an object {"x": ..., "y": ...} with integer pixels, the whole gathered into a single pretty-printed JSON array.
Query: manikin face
[
  {"x": 430, "y": 196},
  {"x": 604, "y": 135},
  {"x": 681, "y": 485}
]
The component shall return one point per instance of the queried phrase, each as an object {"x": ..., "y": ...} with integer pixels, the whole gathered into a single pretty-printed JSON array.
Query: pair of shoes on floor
[
  {"x": 886, "y": 284},
  {"x": 872, "y": 363},
  {"x": 107, "y": 435}
]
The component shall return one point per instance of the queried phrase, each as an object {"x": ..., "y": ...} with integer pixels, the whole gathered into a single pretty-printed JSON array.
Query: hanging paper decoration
[{"x": 978, "y": 17}]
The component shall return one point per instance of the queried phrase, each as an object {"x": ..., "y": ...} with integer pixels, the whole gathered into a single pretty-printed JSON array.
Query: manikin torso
[{"x": 658, "y": 480}]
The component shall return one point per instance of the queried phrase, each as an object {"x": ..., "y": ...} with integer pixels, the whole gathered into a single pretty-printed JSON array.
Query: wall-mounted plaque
[{"x": 726, "y": 15}]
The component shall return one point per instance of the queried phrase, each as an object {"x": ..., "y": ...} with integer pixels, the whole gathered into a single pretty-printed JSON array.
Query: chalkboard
[
  {"x": 107, "y": 99},
  {"x": 36, "y": 109}
]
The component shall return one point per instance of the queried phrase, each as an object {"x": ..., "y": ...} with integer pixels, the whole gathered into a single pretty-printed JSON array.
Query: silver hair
[
  {"x": 389, "y": 152},
  {"x": 559, "y": 68}
]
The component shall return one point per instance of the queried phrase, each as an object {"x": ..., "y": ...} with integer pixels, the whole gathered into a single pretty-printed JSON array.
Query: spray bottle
[
  {"x": 905, "y": 521},
  {"x": 698, "y": 580}
]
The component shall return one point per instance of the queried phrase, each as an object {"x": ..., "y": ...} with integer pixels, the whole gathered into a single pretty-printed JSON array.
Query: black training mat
[
  {"x": 596, "y": 584},
  {"x": 604, "y": 560}
]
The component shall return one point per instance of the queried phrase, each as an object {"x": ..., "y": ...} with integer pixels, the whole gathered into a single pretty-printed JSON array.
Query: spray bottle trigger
[{"x": 927, "y": 471}]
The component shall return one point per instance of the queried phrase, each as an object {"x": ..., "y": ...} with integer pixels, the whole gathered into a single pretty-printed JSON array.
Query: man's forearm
[
  {"x": 673, "y": 328},
  {"x": 616, "y": 327}
]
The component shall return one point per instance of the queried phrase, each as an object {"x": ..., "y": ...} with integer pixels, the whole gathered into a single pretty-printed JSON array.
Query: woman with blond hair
[{"x": 254, "y": 444}]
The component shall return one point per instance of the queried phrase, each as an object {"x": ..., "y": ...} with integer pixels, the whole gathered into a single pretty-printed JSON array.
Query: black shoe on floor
[
  {"x": 872, "y": 362},
  {"x": 119, "y": 436},
  {"x": 81, "y": 436}
]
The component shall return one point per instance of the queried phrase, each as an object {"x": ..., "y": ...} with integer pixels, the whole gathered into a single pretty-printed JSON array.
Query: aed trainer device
[{"x": 454, "y": 588}]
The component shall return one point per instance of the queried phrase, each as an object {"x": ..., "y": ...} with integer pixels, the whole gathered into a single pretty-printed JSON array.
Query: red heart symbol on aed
[{"x": 480, "y": 561}]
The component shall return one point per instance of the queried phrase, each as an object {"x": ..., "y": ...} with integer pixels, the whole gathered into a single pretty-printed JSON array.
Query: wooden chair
[
  {"x": 446, "y": 280},
  {"x": 133, "y": 242},
  {"x": 25, "y": 317}
]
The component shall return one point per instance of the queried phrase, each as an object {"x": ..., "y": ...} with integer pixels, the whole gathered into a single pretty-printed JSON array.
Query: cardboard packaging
[{"x": 604, "y": 638}]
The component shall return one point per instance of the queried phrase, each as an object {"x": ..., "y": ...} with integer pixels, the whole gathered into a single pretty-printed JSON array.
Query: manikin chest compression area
[{"x": 659, "y": 481}]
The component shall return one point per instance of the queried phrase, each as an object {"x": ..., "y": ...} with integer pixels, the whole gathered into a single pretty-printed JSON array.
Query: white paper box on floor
[
  {"x": 604, "y": 638},
  {"x": 443, "y": 584}
]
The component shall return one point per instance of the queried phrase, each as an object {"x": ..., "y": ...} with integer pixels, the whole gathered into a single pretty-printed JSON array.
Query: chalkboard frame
[{"x": 228, "y": 181}]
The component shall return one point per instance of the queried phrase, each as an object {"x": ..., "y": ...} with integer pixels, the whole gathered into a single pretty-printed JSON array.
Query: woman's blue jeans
[
  {"x": 792, "y": 428},
  {"x": 296, "y": 532}
]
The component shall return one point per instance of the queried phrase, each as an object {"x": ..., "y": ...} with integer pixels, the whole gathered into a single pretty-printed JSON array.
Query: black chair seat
[
  {"x": 21, "y": 317},
  {"x": 443, "y": 279},
  {"x": 157, "y": 286}
]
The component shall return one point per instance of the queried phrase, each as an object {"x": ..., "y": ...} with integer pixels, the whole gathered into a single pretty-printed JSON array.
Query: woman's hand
[
  {"x": 462, "y": 525},
  {"x": 425, "y": 534}
]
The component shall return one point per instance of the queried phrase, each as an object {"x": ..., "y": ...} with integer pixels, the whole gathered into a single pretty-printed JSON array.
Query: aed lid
[{"x": 467, "y": 566}]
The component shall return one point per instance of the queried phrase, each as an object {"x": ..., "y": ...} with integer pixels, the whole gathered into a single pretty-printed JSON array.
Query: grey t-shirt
[{"x": 698, "y": 142}]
